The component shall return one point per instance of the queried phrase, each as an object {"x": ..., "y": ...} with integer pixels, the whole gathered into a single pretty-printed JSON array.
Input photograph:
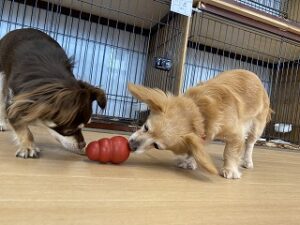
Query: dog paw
[
  {"x": 188, "y": 163},
  {"x": 32, "y": 152},
  {"x": 231, "y": 173},
  {"x": 248, "y": 164}
]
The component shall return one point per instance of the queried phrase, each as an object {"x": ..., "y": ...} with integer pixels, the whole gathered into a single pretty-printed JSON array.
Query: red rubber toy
[{"x": 114, "y": 150}]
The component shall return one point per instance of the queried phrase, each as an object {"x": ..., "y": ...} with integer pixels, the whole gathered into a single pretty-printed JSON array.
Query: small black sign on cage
[{"x": 163, "y": 63}]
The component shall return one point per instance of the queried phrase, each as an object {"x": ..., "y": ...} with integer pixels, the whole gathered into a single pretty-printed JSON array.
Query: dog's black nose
[
  {"x": 81, "y": 144},
  {"x": 133, "y": 145}
]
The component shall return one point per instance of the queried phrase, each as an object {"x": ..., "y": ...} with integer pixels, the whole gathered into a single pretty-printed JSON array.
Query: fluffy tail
[
  {"x": 269, "y": 116},
  {"x": 201, "y": 156}
]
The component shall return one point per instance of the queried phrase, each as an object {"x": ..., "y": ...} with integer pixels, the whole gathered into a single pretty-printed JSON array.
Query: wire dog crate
[{"x": 120, "y": 41}]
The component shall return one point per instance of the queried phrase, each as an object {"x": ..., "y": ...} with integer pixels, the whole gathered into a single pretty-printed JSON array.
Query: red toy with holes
[{"x": 109, "y": 150}]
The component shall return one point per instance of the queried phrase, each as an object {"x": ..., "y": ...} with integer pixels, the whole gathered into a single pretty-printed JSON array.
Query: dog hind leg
[{"x": 254, "y": 133}]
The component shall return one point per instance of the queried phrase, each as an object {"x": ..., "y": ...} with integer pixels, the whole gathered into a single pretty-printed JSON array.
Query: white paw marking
[
  {"x": 248, "y": 164},
  {"x": 231, "y": 173},
  {"x": 187, "y": 163},
  {"x": 3, "y": 124},
  {"x": 32, "y": 152},
  {"x": 3, "y": 127}
]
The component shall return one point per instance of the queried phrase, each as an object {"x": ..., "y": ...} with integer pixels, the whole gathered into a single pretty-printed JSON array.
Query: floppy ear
[
  {"x": 96, "y": 93},
  {"x": 196, "y": 147},
  {"x": 154, "y": 98}
]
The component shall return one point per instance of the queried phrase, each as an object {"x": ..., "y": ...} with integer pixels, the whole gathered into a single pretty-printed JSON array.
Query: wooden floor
[{"x": 62, "y": 188}]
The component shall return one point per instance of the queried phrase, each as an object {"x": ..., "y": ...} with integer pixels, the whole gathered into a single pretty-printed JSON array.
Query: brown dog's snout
[{"x": 133, "y": 144}]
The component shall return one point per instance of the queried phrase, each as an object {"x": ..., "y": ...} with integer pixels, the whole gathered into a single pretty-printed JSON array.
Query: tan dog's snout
[
  {"x": 140, "y": 141},
  {"x": 133, "y": 144}
]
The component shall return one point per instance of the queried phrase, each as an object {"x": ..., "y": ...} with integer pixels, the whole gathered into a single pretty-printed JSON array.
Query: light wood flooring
[{"x": 62, "y": 188}]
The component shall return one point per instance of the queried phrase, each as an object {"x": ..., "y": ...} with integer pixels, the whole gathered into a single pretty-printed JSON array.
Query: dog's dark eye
[
  {"x": 155, "y": 145},
  {"x": 146, "y": 128}
]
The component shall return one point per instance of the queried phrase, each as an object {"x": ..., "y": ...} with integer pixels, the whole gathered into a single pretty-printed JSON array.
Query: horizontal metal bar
[{"x": 284, "y": 27}]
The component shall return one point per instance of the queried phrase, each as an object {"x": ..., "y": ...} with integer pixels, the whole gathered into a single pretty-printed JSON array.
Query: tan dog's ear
[
  {"x": 154, "y": 98},
  {"x": 195, "y": 145},
  {"x": 96, "y": 93}
]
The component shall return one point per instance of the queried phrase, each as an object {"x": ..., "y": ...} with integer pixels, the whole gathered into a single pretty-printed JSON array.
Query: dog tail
[
  {"x": 205, "y": 161},
  {"x": 201, "y": 156}
]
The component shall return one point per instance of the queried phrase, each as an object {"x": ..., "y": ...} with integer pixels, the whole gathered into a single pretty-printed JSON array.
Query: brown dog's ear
[
  {"x": 196, "y": 147},
  {"x": 154, "y": 98},
  {"x": 95, "y": 93}
]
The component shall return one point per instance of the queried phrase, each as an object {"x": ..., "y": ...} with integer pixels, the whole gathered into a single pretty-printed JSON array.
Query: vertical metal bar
[
  {"x": 76, "y": 37},
  {"x": 290, "y": 88},
  {"x": 87, "y": 41},
  {"x": 14, "y": 22},
  {"x": 2, "y": 6},
  {"x": 17, "y": 6},
  {"x": 158, "y": 34},
  {"x": 203, "y": 33},
  {"x": 69, "y": 35},
  {"x": 226, "y": 27},
  {"x": 46, "y": 17},
  {"x": 81, "y": 41},
  {"x": 130, "y": 53},
  {"x": 93, "y": 53},
  {"x": 131, "y": 57},
  {"x": 37, "y": 13},
  {"x": 31, "y": 15},
  {"x": 9, "y": 17},
  {"x": 57, "y": 20},
  {"x": 294, "y": 94},
  {"x": 191, "y": 68},
  {"x": 297, "y": 110},
  {"x": 185, "y": 26},
  {"x": 103, "y": 63},
  {"x": 165, "y": 46},
  {"x": 119, "y": 65},
  {"x": 281, "y": 93},
  {"x": 210, "y": 54}
]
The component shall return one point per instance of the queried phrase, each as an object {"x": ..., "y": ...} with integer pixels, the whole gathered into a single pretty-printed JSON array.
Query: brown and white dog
[
  {"x": 233, "y": 106},
  {"x": 38, "y": 86}
]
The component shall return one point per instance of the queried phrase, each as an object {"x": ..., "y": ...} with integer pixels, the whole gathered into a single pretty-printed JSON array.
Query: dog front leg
[
  {"x": 3, "y": 126},
  {"x": 25, "y": 141},
  {"x": 232, "y": 154}
]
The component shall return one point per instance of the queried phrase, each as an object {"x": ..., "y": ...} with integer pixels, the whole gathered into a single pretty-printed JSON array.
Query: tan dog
[{"x": 232, "y": 106}]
